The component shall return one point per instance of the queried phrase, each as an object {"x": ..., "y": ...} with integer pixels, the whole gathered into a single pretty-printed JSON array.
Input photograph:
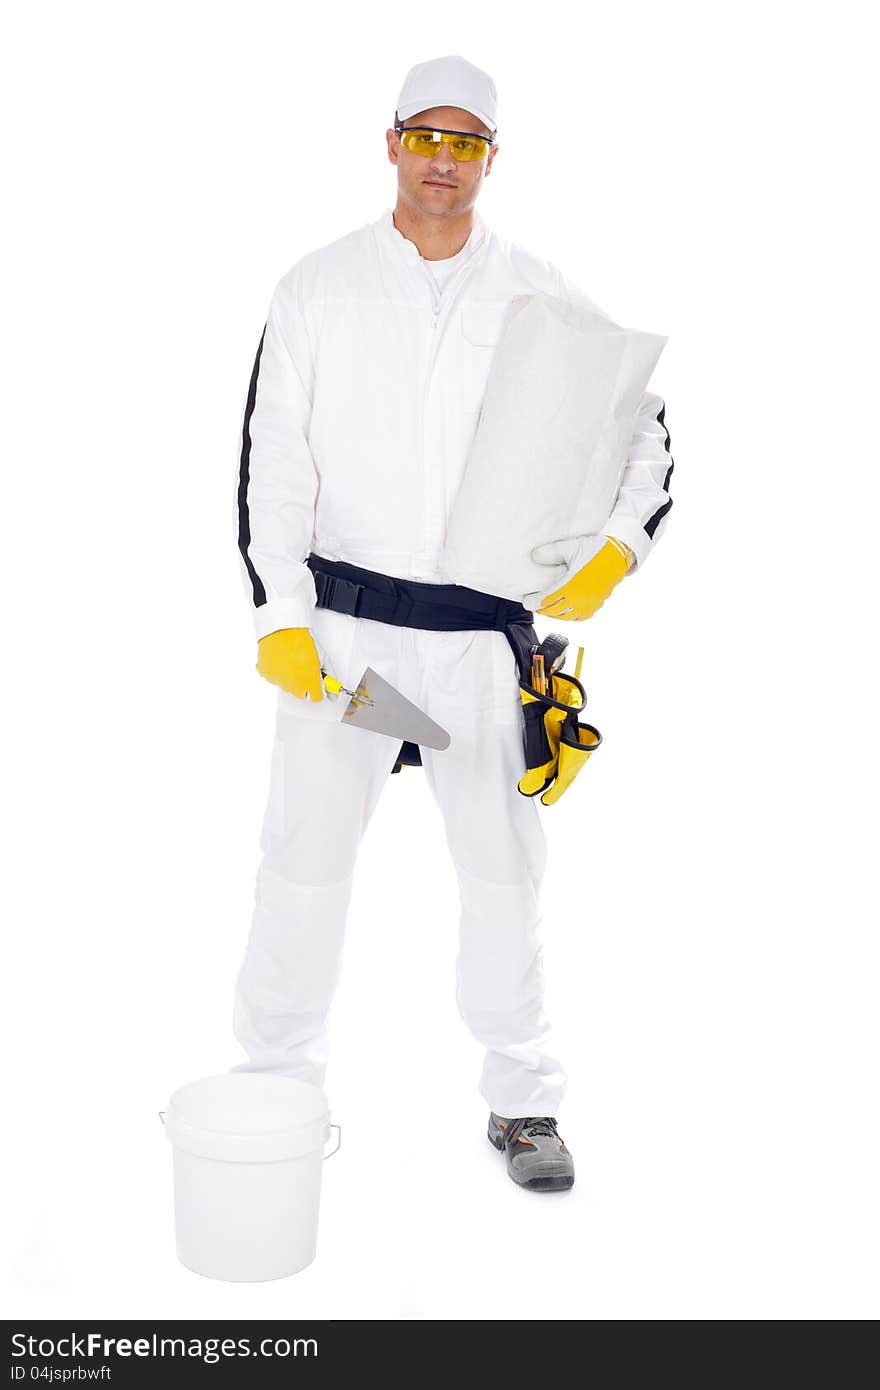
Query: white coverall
[{"x": 363, "y": 402}]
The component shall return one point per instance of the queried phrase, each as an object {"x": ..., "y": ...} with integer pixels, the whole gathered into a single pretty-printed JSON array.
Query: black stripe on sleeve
[
  {"x": 653, "y": 522},
  {"x": 244, "y": 520},
  {"x": 661, "y": 420}
]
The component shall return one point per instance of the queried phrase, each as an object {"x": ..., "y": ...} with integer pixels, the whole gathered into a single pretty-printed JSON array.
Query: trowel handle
[
  {"x": 335, "y": 687},
  {"x": 331, "y": 684}
]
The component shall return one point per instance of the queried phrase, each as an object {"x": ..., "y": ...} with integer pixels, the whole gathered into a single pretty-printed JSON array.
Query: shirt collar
[{"x": 400, "y": 245}]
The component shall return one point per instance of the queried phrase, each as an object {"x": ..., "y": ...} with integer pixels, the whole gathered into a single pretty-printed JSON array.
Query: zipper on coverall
[{"x": 442, "y": 303}]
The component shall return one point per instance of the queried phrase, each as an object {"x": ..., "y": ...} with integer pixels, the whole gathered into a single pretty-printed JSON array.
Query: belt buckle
[{"x": 342, "y": 595}]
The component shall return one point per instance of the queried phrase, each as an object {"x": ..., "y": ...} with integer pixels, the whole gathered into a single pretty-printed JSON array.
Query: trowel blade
[{"x": 392, "y": 714}]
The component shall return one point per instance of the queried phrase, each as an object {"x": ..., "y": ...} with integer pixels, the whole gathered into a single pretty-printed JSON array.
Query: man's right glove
[
  {"x": 289, "y": 658},
  {"x": 595, "y": 566}
]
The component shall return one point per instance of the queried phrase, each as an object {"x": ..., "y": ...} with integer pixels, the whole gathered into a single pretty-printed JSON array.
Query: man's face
[{"x": 439, "y": 186}]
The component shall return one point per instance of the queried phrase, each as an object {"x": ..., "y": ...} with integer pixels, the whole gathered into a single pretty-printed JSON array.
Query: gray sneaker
[{"x": 536, "y": 1156}]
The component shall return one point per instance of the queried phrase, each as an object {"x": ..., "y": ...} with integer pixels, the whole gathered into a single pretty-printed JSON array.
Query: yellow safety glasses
[{"x": 463, "y": 146}]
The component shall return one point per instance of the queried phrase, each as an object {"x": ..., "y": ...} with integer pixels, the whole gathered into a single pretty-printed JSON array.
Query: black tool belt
[{"x": 366, "y": 593}]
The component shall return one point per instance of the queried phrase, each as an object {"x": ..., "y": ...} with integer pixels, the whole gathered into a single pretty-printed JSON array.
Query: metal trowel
[{"x": 376, "y": 705}]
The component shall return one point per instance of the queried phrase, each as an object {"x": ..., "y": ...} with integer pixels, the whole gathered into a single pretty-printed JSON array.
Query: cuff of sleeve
[
  {"x": 632, "y": 534},
  {"x": 291, "y": 610}
]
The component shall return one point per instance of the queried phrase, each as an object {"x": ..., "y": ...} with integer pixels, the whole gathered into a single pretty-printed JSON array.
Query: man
[{"x": 363, "y": 402}]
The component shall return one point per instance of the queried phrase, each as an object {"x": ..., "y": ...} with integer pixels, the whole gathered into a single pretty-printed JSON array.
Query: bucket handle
[{"x": 338, "y": 1129}]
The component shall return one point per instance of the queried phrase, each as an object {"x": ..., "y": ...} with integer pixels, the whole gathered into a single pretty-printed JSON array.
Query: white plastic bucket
[{"x": 248, "y": 1151}]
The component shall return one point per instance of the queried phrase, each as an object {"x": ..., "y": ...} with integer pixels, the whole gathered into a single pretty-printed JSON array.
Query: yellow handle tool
[{"x": 335, "y": 687}]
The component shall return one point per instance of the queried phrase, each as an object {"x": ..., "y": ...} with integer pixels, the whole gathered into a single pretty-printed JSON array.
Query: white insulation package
[{"x": 546, "y": 460}]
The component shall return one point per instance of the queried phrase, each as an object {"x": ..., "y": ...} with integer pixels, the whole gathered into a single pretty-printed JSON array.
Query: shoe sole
[{"x": 549, "y": 1182}]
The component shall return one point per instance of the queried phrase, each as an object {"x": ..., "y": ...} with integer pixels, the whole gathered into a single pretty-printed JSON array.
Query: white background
[{"x": 710, "y": 910}]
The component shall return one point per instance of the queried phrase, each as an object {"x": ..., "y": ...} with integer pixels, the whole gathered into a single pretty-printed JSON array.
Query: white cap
[{"x": 450, "y": 81}]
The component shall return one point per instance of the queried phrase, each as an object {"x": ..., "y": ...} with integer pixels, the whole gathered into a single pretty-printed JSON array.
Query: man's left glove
[{"x": 594, "y": 566}]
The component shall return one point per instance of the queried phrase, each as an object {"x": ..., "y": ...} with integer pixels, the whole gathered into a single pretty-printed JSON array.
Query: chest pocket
[
  {"x": 481, "y": 324},
  {"x": 481, "y": 329}
]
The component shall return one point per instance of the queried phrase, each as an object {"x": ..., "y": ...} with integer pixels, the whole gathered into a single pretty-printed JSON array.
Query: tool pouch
[
  {"x": 577, "y": 742},
  {"x": 556, "y": 742}
]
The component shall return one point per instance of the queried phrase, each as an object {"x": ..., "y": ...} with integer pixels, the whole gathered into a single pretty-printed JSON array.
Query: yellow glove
[
  {"x": 289, "y": 658},
  {"x": 596, "y": 566}
]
